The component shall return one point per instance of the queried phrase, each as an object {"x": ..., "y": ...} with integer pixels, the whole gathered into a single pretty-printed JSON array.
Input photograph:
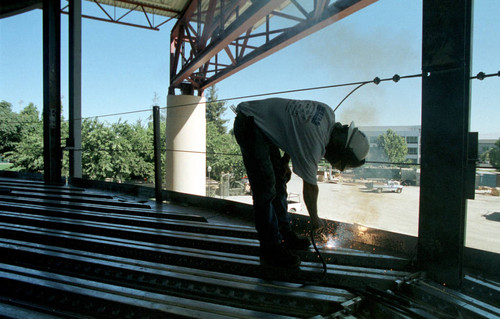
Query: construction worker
[{"x": 305, "y": 131}]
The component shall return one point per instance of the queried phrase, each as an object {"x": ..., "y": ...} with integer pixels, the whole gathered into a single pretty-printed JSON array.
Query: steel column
[
  {"x": 446, "y": 49},
  {"x": 52, "y": 91},
  {"x": 75, "y": 88},
  {"x": 157, "y": 153}
]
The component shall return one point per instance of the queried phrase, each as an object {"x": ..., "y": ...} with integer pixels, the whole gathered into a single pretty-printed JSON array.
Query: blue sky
[{"x": 123, "y": 67}]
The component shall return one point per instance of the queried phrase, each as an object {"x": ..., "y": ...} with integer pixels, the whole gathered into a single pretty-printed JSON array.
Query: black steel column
[
  {"x": 52, "y": 91},
  {"x": 157, "y": 153},
  {"x": 446, "y": 50},
  {"x": 75, "y": 88}
]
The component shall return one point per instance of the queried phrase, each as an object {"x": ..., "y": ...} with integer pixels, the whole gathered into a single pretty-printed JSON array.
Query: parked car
[{"x": 390, "y": 186}]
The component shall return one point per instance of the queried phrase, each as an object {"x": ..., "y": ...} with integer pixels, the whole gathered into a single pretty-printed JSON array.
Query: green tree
[
  {"x": 96, "y": 145},
  {"x": 27, "y": 153},
  {"x": 120, "y": 151},
  {"x": 9, "y": 128},
  {"x": 215, "y": 110},
  {"x": 494, "y": 155},
  {"x": 223, "y": 153},
  {"x": 393, "y": 146},
  {"x": 135, "y": 158}
]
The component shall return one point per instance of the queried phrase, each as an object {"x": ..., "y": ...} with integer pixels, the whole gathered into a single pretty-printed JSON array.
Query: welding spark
[
  {"x": 362, "y": 229},
  {"x": 332, "y": 242}
]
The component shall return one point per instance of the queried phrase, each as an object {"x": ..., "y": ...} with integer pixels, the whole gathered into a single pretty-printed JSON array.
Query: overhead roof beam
[
  {"x": 236, "y": 34},
  {"x": 257, "y": 11},
  {"x": 327, "y": 17},
  {"x": 129, "y": 6},
  {"x": 13, "y": 7}
]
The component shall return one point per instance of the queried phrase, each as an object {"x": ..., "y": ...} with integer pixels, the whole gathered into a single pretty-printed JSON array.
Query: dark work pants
[{"x": 266, "y": 174}]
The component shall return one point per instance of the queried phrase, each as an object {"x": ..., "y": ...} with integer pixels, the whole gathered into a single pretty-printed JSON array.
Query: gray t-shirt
[{"x": 301, "y": 128}]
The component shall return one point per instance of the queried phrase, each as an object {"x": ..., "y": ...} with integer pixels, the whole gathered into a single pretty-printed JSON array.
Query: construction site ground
[{"x": 353, "y": 203}]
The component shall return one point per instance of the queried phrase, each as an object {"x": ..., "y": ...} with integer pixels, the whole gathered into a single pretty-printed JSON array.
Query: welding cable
[
  {"x": 323, "y": 278},
  {"x": 377, "y": 80},
  {"x": 345, "y": 98}
]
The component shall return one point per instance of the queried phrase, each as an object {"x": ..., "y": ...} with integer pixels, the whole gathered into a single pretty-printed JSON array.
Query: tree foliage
[
  {"x": 494, "y": 155},
  {"x": 223, "y": 153},
  {"x": 215, "y": 110},
  {"x": 393, "y": 146},
  {"x": 9, "y": 128},
  {"x": 119, "y": 151},
  {"x": 25, "y": 149}
]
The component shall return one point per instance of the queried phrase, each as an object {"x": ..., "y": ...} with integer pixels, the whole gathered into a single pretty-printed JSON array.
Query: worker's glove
[{"x": 318, "y": 226}]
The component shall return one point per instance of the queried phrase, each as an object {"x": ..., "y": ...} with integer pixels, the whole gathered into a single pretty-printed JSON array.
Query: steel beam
[
  {"x": 75, "y": 89},
  {"x": 13, "y": 7},
  {"x": 129, "y": 7},
  {"x": 446, "y": 50},
  {"x": 257, "y": 11},
  {"x": 289, "y": 36},
  {"x": 232, "y": 27},
  {"x": 52, "y": 151}
]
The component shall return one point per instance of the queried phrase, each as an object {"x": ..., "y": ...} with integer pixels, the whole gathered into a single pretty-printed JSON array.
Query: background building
[{"x": 412, "y": 135}]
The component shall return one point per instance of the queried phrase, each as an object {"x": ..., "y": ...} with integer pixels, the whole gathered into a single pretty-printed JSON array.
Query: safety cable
[{"x": 480, "y": 76}]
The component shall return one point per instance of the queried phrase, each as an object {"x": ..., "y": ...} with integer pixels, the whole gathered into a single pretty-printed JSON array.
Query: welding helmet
[{"x": 356, "y": 148}]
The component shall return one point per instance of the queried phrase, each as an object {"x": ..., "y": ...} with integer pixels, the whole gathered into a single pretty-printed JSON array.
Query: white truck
[{"x": 390, "y": 186}]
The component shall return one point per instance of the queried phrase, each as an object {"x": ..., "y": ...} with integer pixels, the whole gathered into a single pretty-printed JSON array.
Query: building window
[
  {"x": 412, "y": 139},
  {"x": 412, "y": 151}
]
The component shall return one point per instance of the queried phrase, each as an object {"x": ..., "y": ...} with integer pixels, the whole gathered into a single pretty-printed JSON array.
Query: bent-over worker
[{"x": 306, "y": 132}]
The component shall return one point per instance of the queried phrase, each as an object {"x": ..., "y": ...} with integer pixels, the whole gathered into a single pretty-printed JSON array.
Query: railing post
[{"x": 157, "y": 153}]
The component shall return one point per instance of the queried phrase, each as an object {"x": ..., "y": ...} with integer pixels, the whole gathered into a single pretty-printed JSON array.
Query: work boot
[
  {"x": 278, "y": 256},
  {"x": 294, "y": 242}
]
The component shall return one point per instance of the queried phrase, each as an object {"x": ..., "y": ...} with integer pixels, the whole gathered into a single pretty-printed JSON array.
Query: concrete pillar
[{"x": 186, "y": 144}]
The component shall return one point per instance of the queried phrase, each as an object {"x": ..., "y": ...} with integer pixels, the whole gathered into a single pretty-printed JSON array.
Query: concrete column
[{"x": 186, "y": 144}]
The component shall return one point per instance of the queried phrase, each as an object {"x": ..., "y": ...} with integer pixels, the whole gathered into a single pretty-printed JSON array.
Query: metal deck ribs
[{"x": 72, "y": 259}]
